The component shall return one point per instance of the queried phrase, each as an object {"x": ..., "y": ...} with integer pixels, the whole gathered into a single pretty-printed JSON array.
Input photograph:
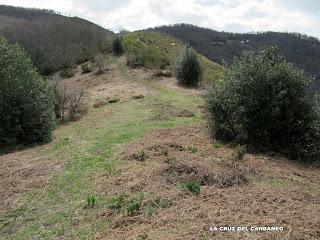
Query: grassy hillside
[
  {"x": 302, "y": 50},
  {"x": 137, "y": 153},
  {"x": 52, "y": 40},
  {"x": 160, "y": 52},
  {"x": 80, "y": 151},
  {"x": 140, "y": 163}
]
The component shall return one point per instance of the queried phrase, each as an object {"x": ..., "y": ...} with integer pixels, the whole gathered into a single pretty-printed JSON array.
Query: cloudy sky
[{"x": 228, "y": 15}]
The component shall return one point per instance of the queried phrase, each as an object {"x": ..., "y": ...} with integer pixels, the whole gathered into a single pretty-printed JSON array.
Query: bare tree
[
  {"x": 102, "y": 63},
  {"x": 61, "y": 99},
  {"x": 75, "y": 103},
  {"x": 68, "y": 103}
]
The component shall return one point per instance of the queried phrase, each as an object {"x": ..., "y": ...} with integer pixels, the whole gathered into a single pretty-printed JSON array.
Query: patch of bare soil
[{"x": 257, "y": 191}]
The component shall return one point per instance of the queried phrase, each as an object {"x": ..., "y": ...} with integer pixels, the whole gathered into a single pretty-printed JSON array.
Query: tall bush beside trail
[
  {"x": 117, "y": 47},
  {"x": 267, "y": 103},
  {"x": 26, "y": 100},
  {"x": 187, "y": 67}
]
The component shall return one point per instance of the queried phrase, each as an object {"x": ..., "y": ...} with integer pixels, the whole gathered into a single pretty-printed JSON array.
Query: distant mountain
[
  {"x": 302, "y": 50},
  {"x": 52, "y": 40}
]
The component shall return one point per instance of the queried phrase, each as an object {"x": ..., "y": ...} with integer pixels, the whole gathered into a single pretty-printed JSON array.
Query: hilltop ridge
[{"x": 302, "y": 50}]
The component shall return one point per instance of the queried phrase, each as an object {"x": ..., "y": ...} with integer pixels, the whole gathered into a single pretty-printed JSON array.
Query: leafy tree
[
  {"x": 26, "y": 100},
  {"x": 117, "y": 47},
  {"x": 266, "y": 102},
  {"x": 187, "y": 68}
]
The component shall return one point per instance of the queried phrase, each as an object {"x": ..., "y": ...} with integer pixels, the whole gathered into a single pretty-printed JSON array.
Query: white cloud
[{"x": 228, "y": 15}]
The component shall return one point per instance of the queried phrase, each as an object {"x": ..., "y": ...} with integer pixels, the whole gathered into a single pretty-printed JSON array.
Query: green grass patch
[
  {"x": 118, "y": 202},
  {"x": 134, "y": 204},
  {"x": 217, "y": 145},
  {"x": 192, "y": 186},
  {"x": 61, "y": 143}
]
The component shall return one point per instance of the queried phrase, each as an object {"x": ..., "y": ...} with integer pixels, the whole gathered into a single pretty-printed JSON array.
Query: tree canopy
[{"x": 26, "y": 100}]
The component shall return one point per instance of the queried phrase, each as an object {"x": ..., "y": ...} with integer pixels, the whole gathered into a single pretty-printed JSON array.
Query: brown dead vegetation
[
  {"x": 165, "y": 111},
  {"x": 22, "y": 172},
  {"x": 257, "y": 191}
]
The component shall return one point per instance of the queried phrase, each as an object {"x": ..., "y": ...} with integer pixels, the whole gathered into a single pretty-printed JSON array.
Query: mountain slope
[
  {"x": 299, "y": 49},
  {"x": 160, "y": 51},
  {"x": 134, "y": 156},
  {"x": 52, "y": 40}
]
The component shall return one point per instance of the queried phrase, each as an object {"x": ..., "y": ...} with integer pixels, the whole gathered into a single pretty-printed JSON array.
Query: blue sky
[{"x": 227, "y": 15}]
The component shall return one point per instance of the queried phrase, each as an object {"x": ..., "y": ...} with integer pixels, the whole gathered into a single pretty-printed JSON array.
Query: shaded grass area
[{"x": 58, "y": 210}]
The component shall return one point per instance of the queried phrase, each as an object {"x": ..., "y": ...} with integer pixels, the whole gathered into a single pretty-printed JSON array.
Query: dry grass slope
[
  {"x": 158, "y": 48},
  {"x": 134, "y": 156}
]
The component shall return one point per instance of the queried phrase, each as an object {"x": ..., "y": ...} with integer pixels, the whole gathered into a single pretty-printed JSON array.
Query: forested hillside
[
  {"x": 302, "y": 50},
  {"x": 52, "y": 40}
]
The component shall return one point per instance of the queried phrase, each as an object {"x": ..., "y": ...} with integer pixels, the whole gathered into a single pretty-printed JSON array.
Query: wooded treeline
[{"x": 53, "y": 41}]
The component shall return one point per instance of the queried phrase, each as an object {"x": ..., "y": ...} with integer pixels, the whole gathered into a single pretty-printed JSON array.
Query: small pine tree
[
  {"x": 187, "y": 67},
  {"x": 117, "y": 47},
  {"x": 26, "y": 100}
]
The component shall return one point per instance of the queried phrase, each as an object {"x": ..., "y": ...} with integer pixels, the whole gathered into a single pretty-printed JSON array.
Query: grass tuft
[
  {"x": 240, "y": 152},
  {"x": 192, "y": 186},
  {"x": 135, "y": 203},
  {"x": 192, "y": 149}
]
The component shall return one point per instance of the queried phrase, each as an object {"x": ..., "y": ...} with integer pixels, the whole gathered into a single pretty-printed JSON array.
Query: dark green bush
[
  {"x": 26, "y": 100},
  {"x": 266, "y": 102},
  {"x": 117, "y": 47},
  {"x": 187, "y": 67}
]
